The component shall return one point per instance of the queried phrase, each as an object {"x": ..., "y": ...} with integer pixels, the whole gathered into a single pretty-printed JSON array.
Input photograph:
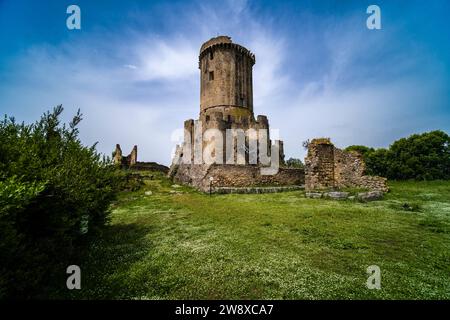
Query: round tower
[{"x": 226, "y": 79}]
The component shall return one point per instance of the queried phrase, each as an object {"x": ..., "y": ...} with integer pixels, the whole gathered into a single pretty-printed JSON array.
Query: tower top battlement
[
  {"x": 224, "y": 42},
  {"x": 215, "y": 40},
  {"x": 226, "y": 77}
]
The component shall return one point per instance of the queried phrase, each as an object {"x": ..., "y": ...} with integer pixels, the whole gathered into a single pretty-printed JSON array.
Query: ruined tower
[
  {"x": 123, "y": 161},
  {"x": 226, "y": 105},
  {"x": 225, "y": 78},
  {"x": 226, "y": 91}
]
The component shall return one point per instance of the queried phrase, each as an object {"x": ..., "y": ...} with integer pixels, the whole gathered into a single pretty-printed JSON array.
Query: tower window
[
  {"x": 211, "y": 55},
  {"x": 211, "y": 75}
]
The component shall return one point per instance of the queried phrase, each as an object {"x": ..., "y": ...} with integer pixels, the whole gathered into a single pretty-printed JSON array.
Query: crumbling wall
[
  {"x": 327, "y": 167},
  {"x": 319, "y": 165},
  {"x": 125, "y": 161},
  {"x": 349, "y": 168},
  {"x": 193, "y": 175},
  {"x": 243, "y": 176},
  {"x": 117, "y": 155},
  {"x": 235, "y": 176},
  {"x": 130, "y": 161},
  {"x": 132, "y": 157}
]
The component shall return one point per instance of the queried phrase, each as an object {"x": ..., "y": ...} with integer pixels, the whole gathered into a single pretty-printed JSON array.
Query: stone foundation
[
  {"x": 235, "y": 176},
  {"x": 252, "y": 190},
  {"x": 337, "y": 195}
]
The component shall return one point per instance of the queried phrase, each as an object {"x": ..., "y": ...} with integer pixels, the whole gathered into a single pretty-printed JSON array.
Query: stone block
[
  {"x": 337, "y": 195},
  {"x": 370, "y": 196},
  {"x": 314, "y": 195}
]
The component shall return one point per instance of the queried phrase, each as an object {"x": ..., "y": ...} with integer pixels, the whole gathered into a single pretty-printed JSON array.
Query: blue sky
[{"x": 132, "y": 68}]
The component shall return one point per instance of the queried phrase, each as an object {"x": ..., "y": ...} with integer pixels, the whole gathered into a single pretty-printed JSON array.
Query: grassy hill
[{"x": 176, "y": 243}]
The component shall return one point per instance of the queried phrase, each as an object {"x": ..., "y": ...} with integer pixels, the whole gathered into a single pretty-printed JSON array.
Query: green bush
[
  {"x": 54, "y": 194},
  {"x": 361, "y": 149},
  {"x": 423, "y": 156},
  {"x": 294, "y": 163}
]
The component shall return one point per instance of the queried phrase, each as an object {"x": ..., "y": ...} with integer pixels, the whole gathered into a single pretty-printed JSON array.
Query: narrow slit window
[
  {"x": 211, "y": 55},
  {"x": 211, "y": 75}
]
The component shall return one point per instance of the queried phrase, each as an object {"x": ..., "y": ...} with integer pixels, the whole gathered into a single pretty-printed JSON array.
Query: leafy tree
[
  {"x": 377, "y": 162},
  {"x": 54, "y": 193},
  {"x": 363, "y": 150},
  {"x": 305, "y": 144},
  {"x": 294, "y": 163},
  {"x": 423, "y": 156}
]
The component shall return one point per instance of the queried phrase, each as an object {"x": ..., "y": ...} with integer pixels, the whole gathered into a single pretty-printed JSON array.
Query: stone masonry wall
[
  {"x": 319, "y": 165},
  {"x": 125, "y": 161},
  {"x": 349, "y": 167},
  {"x": 235, "y": 176},
  {"x": 225, "y": 74},
  {"x": 327, "y": 167}
]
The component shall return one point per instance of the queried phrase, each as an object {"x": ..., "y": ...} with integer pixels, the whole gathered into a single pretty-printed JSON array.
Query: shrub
[
  {"x": 54, "y": 192},
  {"x": 363, "y": 150},
  {"x": 294, "y": 163},
  {"x": 423, "y": 156}
]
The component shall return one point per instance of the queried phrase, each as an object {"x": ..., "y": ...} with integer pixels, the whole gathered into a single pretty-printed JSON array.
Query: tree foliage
[
  {"x": 54, "y": 192},
  {"x": 294, "y": 163},
  {"x": 423, "y": 156}
]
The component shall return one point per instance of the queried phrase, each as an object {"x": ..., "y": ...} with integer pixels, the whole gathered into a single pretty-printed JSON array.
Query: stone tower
[
  {"x": 226, "y": 105},
  {"x": 226, "y": 90},
  {"x": 225, "y": 77}
]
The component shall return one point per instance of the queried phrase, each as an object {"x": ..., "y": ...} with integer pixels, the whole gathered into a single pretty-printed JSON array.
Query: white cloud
[
  {"x": 171, "y": 59},
  {"x": 140, "y": 86}
]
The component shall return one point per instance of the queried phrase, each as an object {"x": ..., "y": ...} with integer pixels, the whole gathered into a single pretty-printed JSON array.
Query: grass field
[{"x": 180, "y": 244}]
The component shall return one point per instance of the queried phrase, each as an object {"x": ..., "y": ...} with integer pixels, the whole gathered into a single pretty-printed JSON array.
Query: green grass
[{"x": 180, "y": 244}]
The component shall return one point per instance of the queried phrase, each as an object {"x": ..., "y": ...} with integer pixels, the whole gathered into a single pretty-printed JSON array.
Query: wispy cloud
[{"x": 316, "y": 76}]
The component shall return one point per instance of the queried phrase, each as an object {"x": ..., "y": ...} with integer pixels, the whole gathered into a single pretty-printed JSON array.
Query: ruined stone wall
[
  {"x": 192, "y": 174},
  {"x": 319, "y": 165},
  {"x": 327, "y": 167},
  {"x": 125, "y": 161},
  {"x": 118, "y": 155},
  {"x": 350, "y": 171},
  {"x": 349, "y": 167},
  {"x": 150, "y": 166},
  {"x": 235, "y": 176},
  {"x": 213, "y": 118},
  {"x": 242, "y": 176},
  {"x": 132, "y": 157},
  {"x": 374, "y": 183}
]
